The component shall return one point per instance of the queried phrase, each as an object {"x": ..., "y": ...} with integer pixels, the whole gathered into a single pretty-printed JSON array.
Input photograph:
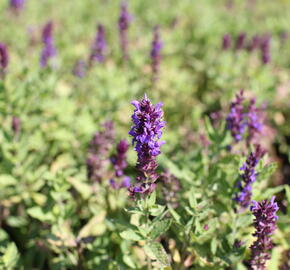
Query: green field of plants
[{"x": 145, "y": 134}]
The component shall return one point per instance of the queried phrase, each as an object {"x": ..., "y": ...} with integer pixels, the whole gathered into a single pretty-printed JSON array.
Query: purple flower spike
[
  {"x": 99, "y": 46},
  {"x": 254, "y": 121},
  {"x": 49, "y": 50},
  {"x": 236, "y": 118},
  {"x": 254, "y": 43},
  {"x": 248, "y": 177},
  {"x": 79, "y": 69},
  {"x": 16, "y": 125},
  {"x": 4, "y": 58},
  {"x": 146, "y": 133},
  {"x": 155, "y": 53},
  {"x": 241, "y": 41},
  {"x": 265, "y": 225},
  {"x": 17, "y": 5},
  {"x": 227, "y": 42},
  {"x": 123, "y": 23},
  {"x": 265, "y": 49},
  {"x": 119, "y": 160}
]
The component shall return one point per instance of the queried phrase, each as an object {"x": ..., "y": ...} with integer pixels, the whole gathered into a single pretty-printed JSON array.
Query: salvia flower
[
  {"x": 98, "y": 153},
  {"x": 170, "y": 187},
  {"x": 4, "y": 58},
  {"x": 146, "y": 133},
  {"x": 254, "y": 43},
  {"x": 49, "y": 50},
  {"x": 16, "y": 125},
  {"x": 155, "y": 53},
  {"x": 236, "y": 118},
  {"x": 265, "y": 49},
  {"x": 99, "y": 46},
  {"x": 255, "y": 121},
  {"x": 17, "y": 5},
  {"x": 265, "y": 225},
  {"x": 119, "y": 160},
  {"x": 79, "y": 69},
  {"x": 241, "y": 41},
  {"x": 249, "y": 176},
  {"x": 123, "y": 23},
  {"x": 226, "y": 42}
]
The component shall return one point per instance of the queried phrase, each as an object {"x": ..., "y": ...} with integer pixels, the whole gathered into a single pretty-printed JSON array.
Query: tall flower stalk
[
  {"x": 17, "y": 5},
  {"x": 99, "y": 46},
  {"x": 155, "y": 53},
  {"x": 49, "y": 50},
  {"x": 124, "y": 23},
  {"x": 146, "y": 132},
  {"x": 4, "y": 59},
  {"x": 249, "y": 176},
  {"x": 265, "y": 225}
]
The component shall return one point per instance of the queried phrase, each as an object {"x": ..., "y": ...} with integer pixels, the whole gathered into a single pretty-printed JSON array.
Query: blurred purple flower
[
  {"x": 16, "y": 125},
  {"x": 248, "y": 177},
  {"x": 98, "y": 152},
  {"x": 79, "y": 69},
  {"x": 241, "y": 41},
  {"x": 236, "y": 118},
  {"x": 254, "y": 43},
  {"x": 146, "y": 133},
  {"x": 265, "y": 49},
  {"x": 99, "y": 46},
  {"x": 155, "y": 53},
  {"x": 49, "y": 49},
  {"x": 123, "y": 23},
  {"x": 227, "y": 42},
  {"x": 4, "y": 58},
  {"x": 119, "y": 160},
  {"x": 265, "y": 225},
  {"x": 17, "y": 5}
]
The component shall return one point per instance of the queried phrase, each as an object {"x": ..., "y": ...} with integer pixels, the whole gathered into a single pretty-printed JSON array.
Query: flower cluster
[
  {"x": 265, "y": 225},
  {"x": 245, "y": 118},
  {"x": 226, "y": 42},
  {"x": 17, "y": 4},
  {"x": 155, "y": 55},
  {"x": 249, "y": 176},
  {"x": 98, "y": 152},
  {"x": 170, "y": 187},
  {"x": 99, "y": 46},
  {"x": 49, "y": 49},
  {"x": 235, "y": 119},
  {"x": 4, "y": 58},
  {"x": 146, "y": 133},
  {"x": 123, "y": 23}
]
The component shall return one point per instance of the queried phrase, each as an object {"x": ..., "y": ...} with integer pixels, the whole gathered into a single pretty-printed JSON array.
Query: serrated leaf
[
  {"x": 155, "y": 251},
  {"x": 159, "y": 227},
  {"x": 130, "y": 235}
]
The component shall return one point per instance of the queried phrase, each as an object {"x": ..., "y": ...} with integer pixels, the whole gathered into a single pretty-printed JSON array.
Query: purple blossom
[
  {"x": 236, "y": 118},
  {"x": 98, "y": 153},
  {"x": 155, "y": 53},
  {"x": 49, "y": 50},
  {"x": 17, "y": 4},
  {"x": 79, "y": 69},
  {"x": 227, "y": 42},
  {"x": 241, "y": 41},
  {"x": 254, "y": 121},
  {"x": 16, "y": 125},
  {"x": 99, "y": 46},
  {"x": 265, "y": 225},
  {"x": 124, "y": 183},
  {"x": 248, "y": 177},
  {"x": 119, "y": 160},
  {"x": 146, "y": 132},
  {"x": 254, "y": 43},
  {"x": 4, "y": 58},
  {"x": 123, "y": 23},
  {"x": 265, "y": 49}
]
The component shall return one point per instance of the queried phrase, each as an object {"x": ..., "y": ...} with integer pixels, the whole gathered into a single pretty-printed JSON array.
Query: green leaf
[
  {"x": 11, "y": 256},
  {"x": 275, "y": 259},
  {"x": 151, "y": 200},
  {"x": 7, "y": 180},
  {"x": 38, "y": 213},
  {"x": 175, "y": 215},
  {"x": 159, "y": 227},
  {"x": 156, "y": 210},
  {"x": 94, "y": 227},
  {"x": 131, "y": 235},
  {"x": 156, "y": 252},
  {"x": 213, "y": 245}
]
